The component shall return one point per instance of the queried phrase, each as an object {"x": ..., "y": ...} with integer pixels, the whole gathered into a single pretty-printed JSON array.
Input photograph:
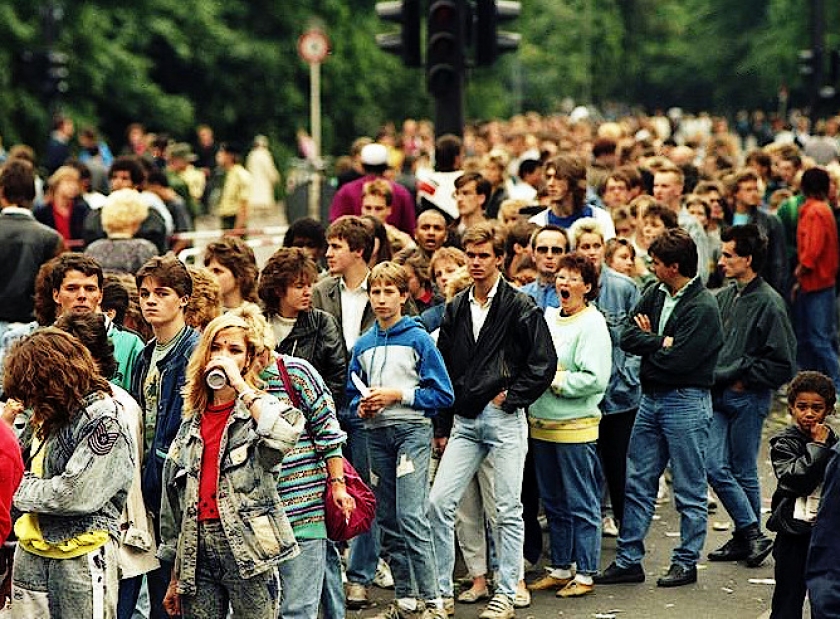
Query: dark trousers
[
  {"x": 790, "y": 552},
  {"x": 613, "y": 438},
  {"x": 533, "y": 545}
]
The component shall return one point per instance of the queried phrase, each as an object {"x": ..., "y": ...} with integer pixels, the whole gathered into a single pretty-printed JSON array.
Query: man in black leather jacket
[{"x": 500, "y": 357}]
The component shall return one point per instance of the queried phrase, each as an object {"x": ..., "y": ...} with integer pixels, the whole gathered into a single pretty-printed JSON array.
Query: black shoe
[
  {"x": 736, "y": 549},
  {"x": 615, "y": 575},
  {"x": 757, "y": 550},
  {"x": 678, "y": 576}
]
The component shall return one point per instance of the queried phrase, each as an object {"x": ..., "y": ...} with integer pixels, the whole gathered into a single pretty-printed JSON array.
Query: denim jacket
[
  {"x": 250, "y": 509},
  {"x": 173, "y": 370},
  {"x": 617, "y": 297},
  {"x": 88, "y": 466}
]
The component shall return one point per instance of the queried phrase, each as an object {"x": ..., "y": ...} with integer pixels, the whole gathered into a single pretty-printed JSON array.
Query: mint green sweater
[{"x": 568, "y": 410}]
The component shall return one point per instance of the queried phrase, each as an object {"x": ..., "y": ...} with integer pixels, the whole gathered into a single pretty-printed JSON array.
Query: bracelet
[
  {"x": 336, "y": 480},
  {"x": 248, "y": 397}
]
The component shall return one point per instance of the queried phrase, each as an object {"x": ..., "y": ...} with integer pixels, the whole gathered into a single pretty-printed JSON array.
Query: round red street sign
[{"x": 313, "y": 46}]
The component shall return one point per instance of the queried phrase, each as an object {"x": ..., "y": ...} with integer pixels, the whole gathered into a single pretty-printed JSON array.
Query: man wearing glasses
[{"x": 547, "y": 245}]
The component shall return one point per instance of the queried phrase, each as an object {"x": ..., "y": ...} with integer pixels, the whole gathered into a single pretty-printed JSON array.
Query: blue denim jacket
[
  {"x": 88, "y": 465},
  {"x": 250, "y": 509},
  {"x": 173, "y": 370},
  {"x": 617, "y": 296}
]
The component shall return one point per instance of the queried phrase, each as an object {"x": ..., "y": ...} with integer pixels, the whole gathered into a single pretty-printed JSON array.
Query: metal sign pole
[{"x": 315, "y": 124}]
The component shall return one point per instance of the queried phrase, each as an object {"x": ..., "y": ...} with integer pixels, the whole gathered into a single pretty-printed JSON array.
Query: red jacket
[
  {"x": 816, "y": 246},
  {"x": 11, "y": 472}
]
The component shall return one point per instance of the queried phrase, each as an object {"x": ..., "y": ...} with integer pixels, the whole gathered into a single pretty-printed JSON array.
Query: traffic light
[
  {"x": 405, "y": 43},
  {"x": 57, "y": 73},
  {"x": 490, "y": 42},
  {"x": 445, "y": 46},
  {"x": 810, "y": 60}
]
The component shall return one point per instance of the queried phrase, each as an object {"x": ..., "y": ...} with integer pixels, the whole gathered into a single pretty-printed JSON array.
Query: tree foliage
[{"x": 233, "y": 64}]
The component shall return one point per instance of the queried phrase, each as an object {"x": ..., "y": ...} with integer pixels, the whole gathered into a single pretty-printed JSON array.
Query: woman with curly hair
[
  {"x": 301, "y": 330},
  {"x": 80, "y": 458},
  {"x": 222, "y": 522}
]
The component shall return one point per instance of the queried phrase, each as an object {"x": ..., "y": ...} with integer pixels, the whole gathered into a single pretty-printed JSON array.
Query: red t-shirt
[
  {"x": 213, "y": 423},
  {"x": 62, "y": 223}
]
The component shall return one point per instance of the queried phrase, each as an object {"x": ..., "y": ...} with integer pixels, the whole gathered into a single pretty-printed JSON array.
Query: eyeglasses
[
  {"x": 544, "y": 249},
  {"x": 574, "y": 279},
  {"x": 464, "y": 194}
]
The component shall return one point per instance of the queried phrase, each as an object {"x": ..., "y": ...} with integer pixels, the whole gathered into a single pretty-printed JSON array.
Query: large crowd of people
[{"x": 547, "y": 317}]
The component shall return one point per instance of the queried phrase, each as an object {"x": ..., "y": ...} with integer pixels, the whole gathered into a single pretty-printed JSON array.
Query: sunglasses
[{"x": 543, "y": 249}]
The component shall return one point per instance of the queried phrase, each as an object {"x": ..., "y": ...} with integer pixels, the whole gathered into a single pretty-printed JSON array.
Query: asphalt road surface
[{"x": 723, "y": 590}]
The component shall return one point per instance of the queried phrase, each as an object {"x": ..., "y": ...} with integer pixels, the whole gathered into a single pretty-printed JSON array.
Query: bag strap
[{"x": 293, "y": 394}]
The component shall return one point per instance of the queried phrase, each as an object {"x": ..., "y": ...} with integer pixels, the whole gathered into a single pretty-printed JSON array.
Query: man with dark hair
[
  {"x": 548, "y": 244},
  {"x": 757, "y": 357},
  {"x": 818, "y": 256},
  {"x": 745, "y": 198},
  {"x": 472, "y": 191},
  {"x": 310, "y": 235},
  {"x": 236, "y": 190},
  {"x": 565, "y": 180},
  {"x": 25, "y": 244},
  {"x": 164, "y": 286},
  {"x": 436, "y": 188},
  {"x": 676, "y": 330},
  {"x": 348, "y": 199}
]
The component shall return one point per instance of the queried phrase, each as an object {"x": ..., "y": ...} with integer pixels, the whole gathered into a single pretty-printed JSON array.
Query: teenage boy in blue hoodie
[{"x": 397, "y": 382}]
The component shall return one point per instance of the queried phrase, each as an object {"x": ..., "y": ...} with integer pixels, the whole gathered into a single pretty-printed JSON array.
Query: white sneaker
[
  {"x": 383, "y": 578},
  {"x": 609, "y": 528}
]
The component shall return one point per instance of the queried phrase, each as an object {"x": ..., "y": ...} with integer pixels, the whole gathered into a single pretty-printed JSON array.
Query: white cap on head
[{"x": 374, "y": 155}]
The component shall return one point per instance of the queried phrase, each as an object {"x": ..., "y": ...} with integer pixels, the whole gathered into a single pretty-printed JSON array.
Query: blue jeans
[
  {"x": 399, "y": 457},
  {"x": 303, "y": 581},
  {"x": 365, "y": 548},
  {"x": 220, "y": 588},
  {"x": 815, "y": 325},
  {"x": 570, "y": 487},
  {"x": 670, "y": 425},
  {"x": 505, "y": 435},
  {"x": 157, "y": 582},
  {"x": 734, "y": 441}
]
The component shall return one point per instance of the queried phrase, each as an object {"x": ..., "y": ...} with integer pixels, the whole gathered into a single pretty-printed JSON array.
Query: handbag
[{"x": 339, "y": 528}]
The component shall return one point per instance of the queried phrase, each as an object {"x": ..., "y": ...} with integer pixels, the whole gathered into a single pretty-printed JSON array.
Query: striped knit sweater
[{"x": 302, "y": 479}]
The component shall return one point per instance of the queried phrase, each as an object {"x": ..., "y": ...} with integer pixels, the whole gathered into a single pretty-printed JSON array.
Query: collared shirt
[
  {"x": 353, "y": 303},
  {"x": 16, "y": 210},
  {"x": 545, "y": 295},
  {"x": 479, "y": 311},
  {"x": 671, "y": 302}
]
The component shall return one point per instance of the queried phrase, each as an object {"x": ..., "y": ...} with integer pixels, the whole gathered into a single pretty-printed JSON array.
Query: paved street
[{"x": 723, "y": 590}]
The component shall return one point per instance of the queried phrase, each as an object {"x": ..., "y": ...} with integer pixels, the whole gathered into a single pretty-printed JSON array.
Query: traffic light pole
[
  {"x": 818, "y": 46},
  {"x": 449, "y": 109}
]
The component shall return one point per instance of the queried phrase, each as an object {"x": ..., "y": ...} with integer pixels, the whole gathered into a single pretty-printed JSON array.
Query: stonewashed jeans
[
  {"x": 399, "y": 458},
  {"x": 83, "y": 587},
  {"x": 505, "y": 436},
  {"x": 670, "y": 425},
  {"x": 219, "y": 585},
  {"x": 308, "y": 578}
]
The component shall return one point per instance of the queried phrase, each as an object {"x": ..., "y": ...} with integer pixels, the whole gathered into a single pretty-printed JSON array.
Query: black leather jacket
[
  {"x": 514, "y": 352},
  {"x": 317, "y": 338}
]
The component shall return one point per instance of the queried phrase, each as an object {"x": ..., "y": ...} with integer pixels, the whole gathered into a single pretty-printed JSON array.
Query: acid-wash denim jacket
[
  {"x": 88, "y": 467},
  {"x": 250, "y": 509}
]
